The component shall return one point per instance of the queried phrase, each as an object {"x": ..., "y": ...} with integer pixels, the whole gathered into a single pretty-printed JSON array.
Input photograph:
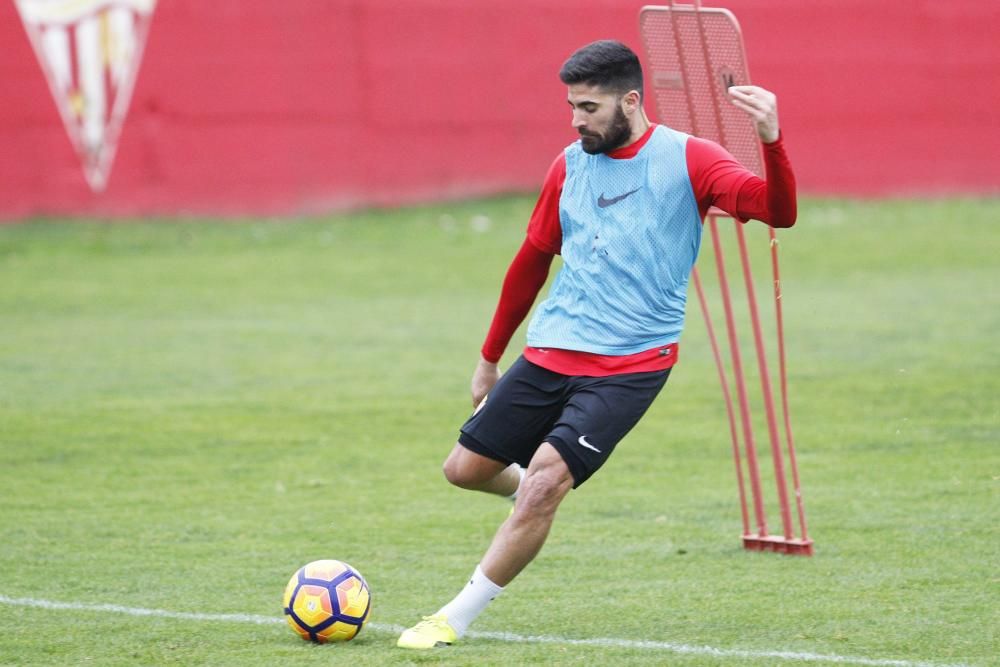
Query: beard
[{"x": 617, "y": 134}]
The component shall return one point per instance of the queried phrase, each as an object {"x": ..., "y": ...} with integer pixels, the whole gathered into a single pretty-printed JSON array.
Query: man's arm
[
  {"x": 719, "y": 180},
  {"x": 772, "y": 201},
  {"x": 524, "y": 279}
]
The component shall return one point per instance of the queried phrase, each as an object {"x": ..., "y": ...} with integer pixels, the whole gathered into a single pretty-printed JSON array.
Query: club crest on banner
[{"x": 90, "y": 51}]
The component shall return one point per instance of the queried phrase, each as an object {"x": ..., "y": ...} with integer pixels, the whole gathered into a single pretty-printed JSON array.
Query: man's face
[{"x": 599, "y": 118}]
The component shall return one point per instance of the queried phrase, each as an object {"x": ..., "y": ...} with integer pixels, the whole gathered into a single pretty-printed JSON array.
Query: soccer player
[{"x": 624, "y": 207}]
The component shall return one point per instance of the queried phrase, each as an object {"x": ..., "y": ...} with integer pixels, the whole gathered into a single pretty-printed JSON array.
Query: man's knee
[
  {"x": 468, "y": 470},
  {"x": 546, "y": 483},
  {"x": 455, "y": 472}
]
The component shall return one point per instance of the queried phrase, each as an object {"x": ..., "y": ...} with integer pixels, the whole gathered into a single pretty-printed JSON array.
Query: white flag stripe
[
  {"x": 55, "y": 44},
  {"x": 90, "y": 62},
  {"x": 121, "y": 43},
  {"x": 67, "y": 12}
]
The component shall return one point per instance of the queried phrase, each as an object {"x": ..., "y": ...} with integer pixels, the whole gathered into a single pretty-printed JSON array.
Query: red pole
[
  {"x": 682, "y": 61},
  {"x": 741, "y": 390},
  {"x": 804, "y": 535},
  {"x": 726, "y": 395},
  {"x": 765, "y": 382}
]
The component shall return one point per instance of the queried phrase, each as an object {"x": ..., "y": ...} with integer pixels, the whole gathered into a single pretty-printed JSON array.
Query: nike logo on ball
[
  {"x": 583, "y": 442},
  {"x": 604, "y": 203}
]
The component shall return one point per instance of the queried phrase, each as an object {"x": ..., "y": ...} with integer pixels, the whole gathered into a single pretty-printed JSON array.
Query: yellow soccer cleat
[{"x": 429, "y": 633}]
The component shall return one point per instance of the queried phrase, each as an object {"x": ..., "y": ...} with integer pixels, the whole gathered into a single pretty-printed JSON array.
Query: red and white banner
[{"x": 90, "y": 51}]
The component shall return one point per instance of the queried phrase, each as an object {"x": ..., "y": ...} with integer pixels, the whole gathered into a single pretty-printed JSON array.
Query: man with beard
[{"x": 624, "y": 207}]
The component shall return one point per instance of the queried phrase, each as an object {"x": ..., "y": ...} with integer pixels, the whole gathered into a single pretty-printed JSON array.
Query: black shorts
[{"x": 582, "y": 417}]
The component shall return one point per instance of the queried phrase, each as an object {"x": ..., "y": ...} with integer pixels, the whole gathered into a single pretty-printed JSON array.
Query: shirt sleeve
[
  {"x": 524, "y": 279},
  {"x": 719, "y": 180},
  {"x": 544, "y": 228},
  {"x": 772, "y": 201}
]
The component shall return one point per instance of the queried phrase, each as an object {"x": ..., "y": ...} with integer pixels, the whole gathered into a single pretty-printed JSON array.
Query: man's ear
[{"x": 631, "y": 101}]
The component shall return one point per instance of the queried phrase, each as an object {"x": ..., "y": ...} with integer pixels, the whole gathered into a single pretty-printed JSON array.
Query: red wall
[{"x": 272, "y": 107}]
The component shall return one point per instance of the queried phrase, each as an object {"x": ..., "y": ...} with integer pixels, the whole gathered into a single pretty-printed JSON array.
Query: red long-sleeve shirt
[{"x": 717, "y": 179}]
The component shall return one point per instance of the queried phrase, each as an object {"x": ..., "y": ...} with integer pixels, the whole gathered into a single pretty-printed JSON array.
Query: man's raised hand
[{"x": 761, "y": 105}]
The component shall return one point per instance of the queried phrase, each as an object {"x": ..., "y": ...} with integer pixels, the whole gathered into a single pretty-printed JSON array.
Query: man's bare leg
[
  {"x": 518, "y": 540},
  {"x": 521, "y": 537},
  {"x": 515, "y": 544}
]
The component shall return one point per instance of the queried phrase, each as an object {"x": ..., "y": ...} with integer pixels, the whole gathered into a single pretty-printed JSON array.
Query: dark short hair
[{"x": 606, "y": 63}]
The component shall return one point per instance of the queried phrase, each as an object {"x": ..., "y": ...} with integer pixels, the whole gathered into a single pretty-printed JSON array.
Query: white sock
[
  {"x": 471, "y": 602},
  {"x": 520, "y": 471}
]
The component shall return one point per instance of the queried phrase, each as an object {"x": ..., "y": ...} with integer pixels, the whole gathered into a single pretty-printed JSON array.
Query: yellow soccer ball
[{"x": 327, "y": 601}]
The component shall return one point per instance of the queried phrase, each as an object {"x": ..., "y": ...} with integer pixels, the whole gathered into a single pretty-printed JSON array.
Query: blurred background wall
[{"x": 270, "y": 107}]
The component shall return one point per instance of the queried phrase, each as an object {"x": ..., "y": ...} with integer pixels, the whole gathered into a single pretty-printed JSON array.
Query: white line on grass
[{"x": 671, "y": 647}]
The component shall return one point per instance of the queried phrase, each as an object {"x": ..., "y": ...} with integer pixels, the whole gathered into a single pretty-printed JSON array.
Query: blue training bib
[{"x": 630, "y": 236}]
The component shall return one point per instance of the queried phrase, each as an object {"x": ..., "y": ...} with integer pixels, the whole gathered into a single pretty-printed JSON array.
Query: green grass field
[{"x": 189, "y": 411}]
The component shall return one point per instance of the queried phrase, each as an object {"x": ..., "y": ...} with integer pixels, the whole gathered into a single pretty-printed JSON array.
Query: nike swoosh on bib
[{"x": 604, "y": 203}]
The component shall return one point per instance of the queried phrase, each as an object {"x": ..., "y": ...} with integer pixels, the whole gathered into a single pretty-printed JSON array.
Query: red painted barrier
[{"x": 267, "y": 107}]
